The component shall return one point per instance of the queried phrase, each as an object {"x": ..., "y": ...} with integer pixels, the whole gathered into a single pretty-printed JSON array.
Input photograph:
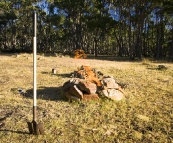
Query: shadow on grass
[
  {"x": 158, "y": 69},
  {"x": 17, "y": 132},
  {"x": 65, "y": 75},
  {"x": 113, "y": 58},
  {"x": 47, "y": 93},
  {"x": 152, "y": 68}
]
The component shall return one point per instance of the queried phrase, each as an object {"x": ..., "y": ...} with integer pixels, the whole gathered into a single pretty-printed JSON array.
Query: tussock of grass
[{"x": 145, "y": 115}]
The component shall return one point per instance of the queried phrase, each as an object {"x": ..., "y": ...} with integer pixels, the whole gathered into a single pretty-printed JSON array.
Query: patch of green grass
[{"x": 144, "y": 115}]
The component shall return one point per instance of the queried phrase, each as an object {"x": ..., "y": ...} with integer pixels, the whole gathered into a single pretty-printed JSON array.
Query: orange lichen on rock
[
  {"x": 88, "y": 84},
  {"x": 79, "y": 54},
  {"x": 89, "y": 74}
]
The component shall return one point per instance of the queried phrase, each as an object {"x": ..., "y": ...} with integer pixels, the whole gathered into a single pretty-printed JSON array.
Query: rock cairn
[
  {"x": 77, "y": 89},
  {"x": 89, "y": 84},
  {"x": 79, "y": 54},
  {"x": 111, "y": 89}
]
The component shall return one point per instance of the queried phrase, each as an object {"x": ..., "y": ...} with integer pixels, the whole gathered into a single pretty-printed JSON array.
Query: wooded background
[{"x": 132, "y": 28}]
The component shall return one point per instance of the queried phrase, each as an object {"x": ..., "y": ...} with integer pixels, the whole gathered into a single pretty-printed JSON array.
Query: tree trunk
[
  {"x": 95, "y": 47},
  {"x": 171, "y": 52}
]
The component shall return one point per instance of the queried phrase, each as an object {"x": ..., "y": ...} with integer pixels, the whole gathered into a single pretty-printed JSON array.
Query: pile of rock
[
  {"x": 111, "y": 89},
  {"x": 89, "y": 74},
  {"x": 79, "y": 54},
  {"x": 78, "y": 89},
  {"x": 90, "y": 87}
]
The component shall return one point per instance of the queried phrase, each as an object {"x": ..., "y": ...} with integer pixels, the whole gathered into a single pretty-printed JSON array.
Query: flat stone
[
  {"x": 109, "y": 83},
  {"x": 74, "y": 90},
  {"x": 88, "y": 87},
  {"x": 105, "y": 93},
  {"x": 115, "y": 94},
  {"x": 67, "y": 85}
]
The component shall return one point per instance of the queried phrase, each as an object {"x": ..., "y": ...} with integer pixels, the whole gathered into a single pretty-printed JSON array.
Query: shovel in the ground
[{"x": 34, "y": 127}]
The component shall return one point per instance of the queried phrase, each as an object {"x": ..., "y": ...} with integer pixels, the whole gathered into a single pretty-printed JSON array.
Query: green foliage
[{"x": 126, "y": 28}]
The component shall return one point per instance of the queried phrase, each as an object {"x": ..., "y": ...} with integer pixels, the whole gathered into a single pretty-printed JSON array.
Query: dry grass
[{"x": 145, "y": 115}]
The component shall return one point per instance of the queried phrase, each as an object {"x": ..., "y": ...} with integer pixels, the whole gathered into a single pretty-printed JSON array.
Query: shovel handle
[
  {"x": 34, "y": 72},
  {"x": 34, "y": 57},
  {"x": 34, "y": 113},
  {"x": 35, "y": 24}
]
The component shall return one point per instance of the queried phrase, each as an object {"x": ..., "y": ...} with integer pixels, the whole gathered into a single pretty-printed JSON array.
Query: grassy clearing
[{"x": 143, "y": 116}]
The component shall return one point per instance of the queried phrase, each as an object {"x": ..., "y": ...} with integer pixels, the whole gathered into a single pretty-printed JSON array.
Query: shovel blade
[
  {"x": 30, "y": 127},
  {"x": 40, "y": 129},
  {"x": 36, "y": 129}
]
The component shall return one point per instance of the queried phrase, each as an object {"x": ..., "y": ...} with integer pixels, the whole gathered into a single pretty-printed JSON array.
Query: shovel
[{"x": 34, "y": 127}]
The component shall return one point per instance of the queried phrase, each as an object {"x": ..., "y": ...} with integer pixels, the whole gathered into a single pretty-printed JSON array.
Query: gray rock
[
  {"x": 115, "y": 94},
  {"x": 109, "y": 83}
]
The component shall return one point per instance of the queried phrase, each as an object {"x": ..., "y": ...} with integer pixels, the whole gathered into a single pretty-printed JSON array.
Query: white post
[
  {"x": 35, "y": 70},
  {"x": 34, "y": 59}
]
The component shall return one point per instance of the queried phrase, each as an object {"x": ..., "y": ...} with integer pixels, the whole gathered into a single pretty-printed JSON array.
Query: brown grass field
[{"x": 144, "y": 116}]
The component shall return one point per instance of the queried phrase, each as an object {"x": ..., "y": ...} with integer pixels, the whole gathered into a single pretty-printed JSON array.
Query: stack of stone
[
  {"x": 79, "y": 54},
  {"x": 111, "y": 89},
  {"x": 81, "y": 89}
]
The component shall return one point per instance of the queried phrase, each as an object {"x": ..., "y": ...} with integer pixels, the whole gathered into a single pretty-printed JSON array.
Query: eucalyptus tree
[
  {"x": 132, "y": 17},
  {"x": 99, "y": 23},
  {"x": 142, "y": 11},
  {"x": 129, "y": 27},
  {"x": 83, "y": 23},
  {"x": 24, "y": 23},
  {"x": 73, "y": 11},
  {"x": 17, "y": 24},
  {"x": 7, "y": 29},
  {"x": 160, "y": 26},
  {"x": 168, "y": 18}
]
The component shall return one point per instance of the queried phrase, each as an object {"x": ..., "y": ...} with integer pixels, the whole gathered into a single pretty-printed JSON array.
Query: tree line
[{"x": 132, "y": 28}]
